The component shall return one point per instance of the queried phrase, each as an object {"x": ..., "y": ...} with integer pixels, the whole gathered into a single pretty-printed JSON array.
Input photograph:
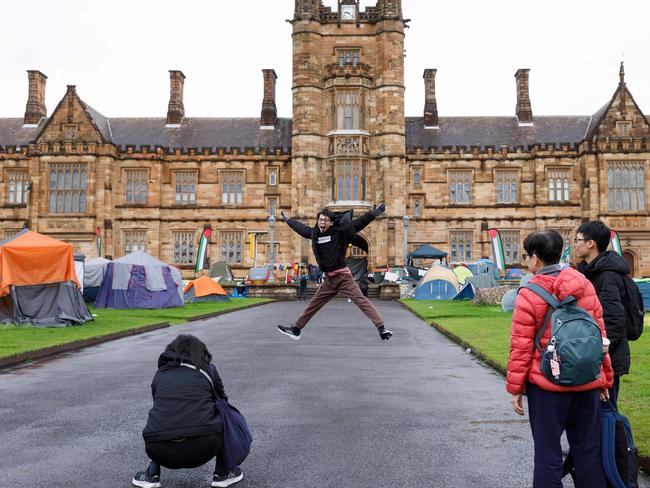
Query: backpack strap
[{"x": 552, "y": 302}]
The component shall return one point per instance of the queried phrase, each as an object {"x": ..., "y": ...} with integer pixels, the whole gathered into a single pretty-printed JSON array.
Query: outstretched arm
[
  {"x": 361, "y": 222},
  {"x": 297, "y": 226}
]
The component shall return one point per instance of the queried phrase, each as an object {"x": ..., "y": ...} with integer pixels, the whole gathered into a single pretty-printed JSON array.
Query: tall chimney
[
  {"x": 269, "y": 111},
  {"x": 430, "y": 104},
  {"x": 35, "y": 109},
  {"x": 524, "y": 110},
  {"x": 175, "y": 109}
]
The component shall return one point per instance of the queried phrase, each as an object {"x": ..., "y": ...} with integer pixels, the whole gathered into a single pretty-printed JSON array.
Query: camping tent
[
  {"x": 482, "y": 266},
  {"x": 205, "y": 289},
  {"x": 38, "y": 282},
  {"x": 515, "y": 274},
  {"x": 94, "y": 272},
  {"x": 428, "y": 252},
  {"x": 439, "y": 283},
  {"x": 644, "y": 287},
  {"x": 138, "y": 280},
  {"x": 466, "y": 292},
  {"x": 462, "y": 273},
  {"x": 221, "y": 270}
]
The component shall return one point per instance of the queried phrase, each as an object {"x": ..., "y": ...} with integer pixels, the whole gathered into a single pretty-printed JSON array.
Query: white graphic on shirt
[{"x": 324, "y": 240}]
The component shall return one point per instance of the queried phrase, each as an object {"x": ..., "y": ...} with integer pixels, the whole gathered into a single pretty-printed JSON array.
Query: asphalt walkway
[{"x": 339, "y": 408}]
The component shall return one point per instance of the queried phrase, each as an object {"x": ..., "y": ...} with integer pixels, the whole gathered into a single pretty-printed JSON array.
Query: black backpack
[{"x": 634, "y": 309}]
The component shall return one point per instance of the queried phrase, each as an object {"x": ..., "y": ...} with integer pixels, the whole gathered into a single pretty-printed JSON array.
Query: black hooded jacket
[
  {"x": 183, "y": 402},
  {"x": 329, "y": 247},
  {"x": 606, "y": 274}
]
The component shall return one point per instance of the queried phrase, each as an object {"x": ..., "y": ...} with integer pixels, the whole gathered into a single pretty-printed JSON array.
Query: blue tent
[
  {"x": 644, "y": 287},
  {"x": 465, "y": 293},
  {"x": 482, "y": 266},
  {"x": 515, "y": 274},
  {"x": 435, "y": 290}
]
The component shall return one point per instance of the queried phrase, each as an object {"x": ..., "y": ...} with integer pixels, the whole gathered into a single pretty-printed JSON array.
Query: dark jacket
[
  {"x": 183, "y": 403},
  {"x": 329, "y": 247},
  {"x": 606, "y": 273}
]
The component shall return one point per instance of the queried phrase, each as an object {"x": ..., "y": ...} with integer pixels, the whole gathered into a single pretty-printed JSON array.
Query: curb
[
  {"x": 75, "y": 345},
  {"x": 23, "y": 357},
  {"x": 644, "y": 461}
]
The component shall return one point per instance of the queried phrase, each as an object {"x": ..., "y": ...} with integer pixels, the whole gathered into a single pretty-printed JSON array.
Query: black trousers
[{"x": 191, "y": 452}]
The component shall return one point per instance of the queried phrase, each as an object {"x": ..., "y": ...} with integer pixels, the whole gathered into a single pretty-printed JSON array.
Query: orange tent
[
  {"x": 30, "y": 258},
  {"x": 204, "y": 288}
]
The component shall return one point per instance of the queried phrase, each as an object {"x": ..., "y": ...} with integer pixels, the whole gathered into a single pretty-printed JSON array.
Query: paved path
[{"x": 339, "y": 408}]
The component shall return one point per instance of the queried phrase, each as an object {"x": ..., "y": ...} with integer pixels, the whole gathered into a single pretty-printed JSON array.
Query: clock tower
[{"x": 348, "y": 135}]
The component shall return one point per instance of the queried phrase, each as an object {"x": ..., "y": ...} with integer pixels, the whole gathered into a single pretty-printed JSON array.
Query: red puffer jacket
[{"x": 530, "y": 309}]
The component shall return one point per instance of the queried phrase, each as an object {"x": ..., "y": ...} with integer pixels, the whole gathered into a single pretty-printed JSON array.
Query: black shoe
[
  {"x": 220, "y": 481},
  {"x": 144, "y": 480},
  {"x": 293, "y": 332},
  {"x": 384, "y": 333}
]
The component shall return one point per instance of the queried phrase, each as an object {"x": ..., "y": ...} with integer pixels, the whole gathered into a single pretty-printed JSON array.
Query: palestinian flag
[
  {"x": 499, "y": 257},
  {"x": 99, "y": 242},
  {"x": 203, "y": 249},
  {"x": 616, "y": 242}
]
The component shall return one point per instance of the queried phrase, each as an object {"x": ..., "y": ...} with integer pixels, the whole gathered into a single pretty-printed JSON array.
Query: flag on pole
[
  {"x": 99, "y": 242},
  {"x": 616, "y": 242},
  {"x": 566, "y": 255},
  {"x": 203, "y": 249},
  {"x": 497, "y": 248}
]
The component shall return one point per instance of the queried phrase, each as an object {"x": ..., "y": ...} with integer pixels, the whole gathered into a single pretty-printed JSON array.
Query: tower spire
[{"x": 621, "y": 74}]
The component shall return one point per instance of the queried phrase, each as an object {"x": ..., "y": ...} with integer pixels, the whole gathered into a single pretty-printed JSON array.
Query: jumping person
[
  {"x": 184, "y": 429},
  {"x": 329, "y": 243}
]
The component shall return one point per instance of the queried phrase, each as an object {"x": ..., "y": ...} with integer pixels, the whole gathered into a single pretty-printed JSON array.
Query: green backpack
[{"x": 576, "y": 343}]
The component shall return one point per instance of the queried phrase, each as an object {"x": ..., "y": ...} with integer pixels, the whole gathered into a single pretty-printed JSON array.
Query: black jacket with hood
[
  {"x": 329, "y": 247},
  {"x": 606, "y": 274},
  {"x": 183, "y": 402}
]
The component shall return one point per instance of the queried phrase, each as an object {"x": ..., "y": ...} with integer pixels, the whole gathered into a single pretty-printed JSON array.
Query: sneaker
[
  {"x": 384, "y": 333},
  {"x": 293, "y": 332},
  {"x": 145, "y": 480},
  {"x": 219, "y": 481}
]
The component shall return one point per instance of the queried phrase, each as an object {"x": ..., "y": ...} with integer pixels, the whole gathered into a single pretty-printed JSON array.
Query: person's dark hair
[
  {"x": 189, "y": 349},
  {"x": 597, "y": 231},
  {"x": 547, "y": 245},
  {"x": 327, "y": 213}
]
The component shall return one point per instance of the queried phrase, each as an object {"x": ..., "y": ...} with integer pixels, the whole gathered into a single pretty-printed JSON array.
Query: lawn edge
[
  {"x": 644, "y": 461},
  {"x": 9, "y": 361}
]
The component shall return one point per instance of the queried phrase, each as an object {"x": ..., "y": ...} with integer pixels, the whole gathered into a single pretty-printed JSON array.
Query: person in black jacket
[
  {"x": 329, "y": 243},
  {"x": 606, "y": 269},
  {"x": 184, "y": 429}
]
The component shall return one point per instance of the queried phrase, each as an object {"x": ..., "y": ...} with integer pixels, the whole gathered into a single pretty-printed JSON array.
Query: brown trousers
[{"x": 345, "y": 284}]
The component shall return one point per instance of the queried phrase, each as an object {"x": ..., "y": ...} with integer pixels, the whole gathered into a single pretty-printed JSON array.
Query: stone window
[
  {"x": 416, "y": 176},
  {"x": 461, "y": 246},
  {"x": 566, "y": 247},
  {"x": 417, "y": 207},
  {"x": 626, "y": 186},
  {"x": 135, "y": 240},
  {"x": 460, "y": 187},
  {"x": 507, "y": 182},
  {"x": 511, "y": 245},
  {"x": 273, "y": 206},
  {"x": 348, "y": 57},
  {"x": 184, "y": 247},
  {"x": 558, "y": 184},
  {"x": 17, "y": 186},
  {"x": 356, "y": 252},
  {"x": 623, "y": 128},
  {"x": 185, "y": 188},
  {"x": 349, "y": 181},
  {"x": 231, "y": 247},
  {"x": 273, "y": 176},
  {"x": 135, "y": 192},
  {"x": 350, "y": 110},
  {"x": 68, "y": 182},
  {"x": 232, "y": 187}
]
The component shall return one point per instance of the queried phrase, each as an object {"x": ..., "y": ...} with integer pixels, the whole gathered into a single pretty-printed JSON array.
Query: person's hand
[
  {"x": 377, "y": 210},
  {"x": 517, "y": 402},
  {"x": 283, "y": 217},
  {"x": 604, "y": 394}
]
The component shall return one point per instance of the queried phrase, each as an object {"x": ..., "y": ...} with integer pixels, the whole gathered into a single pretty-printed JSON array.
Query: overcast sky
[{"x": 118, "y": 53}]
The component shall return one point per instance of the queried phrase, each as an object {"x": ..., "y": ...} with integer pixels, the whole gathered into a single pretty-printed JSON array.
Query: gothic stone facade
[{"x": 153, "y": 184}]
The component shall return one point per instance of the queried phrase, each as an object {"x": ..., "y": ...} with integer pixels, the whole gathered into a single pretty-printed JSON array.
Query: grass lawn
[
  {"x": 18, "y": 339},
  {"x": 487, "y": 329}
]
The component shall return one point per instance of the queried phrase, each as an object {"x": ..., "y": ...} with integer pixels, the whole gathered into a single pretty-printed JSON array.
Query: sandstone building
[{"x": 154, "y": 183}]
